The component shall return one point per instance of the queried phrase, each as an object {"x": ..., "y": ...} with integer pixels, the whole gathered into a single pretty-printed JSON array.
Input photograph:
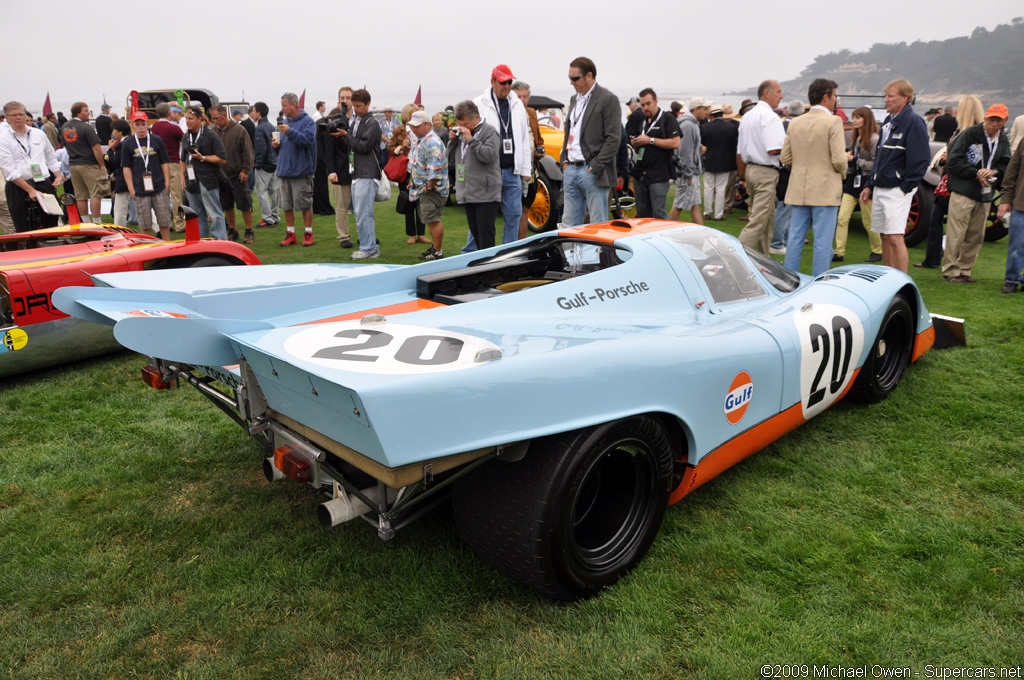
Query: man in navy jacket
[
  {"x": 900, "y": 164},
  {"x": 296, "y": 164}
]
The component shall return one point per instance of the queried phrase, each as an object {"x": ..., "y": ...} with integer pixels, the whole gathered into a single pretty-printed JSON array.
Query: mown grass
[{"x": 138, "y": 538}]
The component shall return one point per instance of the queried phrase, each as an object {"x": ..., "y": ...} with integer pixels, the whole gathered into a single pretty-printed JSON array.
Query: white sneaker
[
  {"x": 777, "y": 251},
  {"x": 363, "y": 255}
]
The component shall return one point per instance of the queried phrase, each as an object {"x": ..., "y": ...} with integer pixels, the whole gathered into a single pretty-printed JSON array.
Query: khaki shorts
[
  {"x": 296, "y": 193},
  {"x": 431, "y": 204},
  {"x": 687, "y": 195},
  {"x": 89, "y": 182}
]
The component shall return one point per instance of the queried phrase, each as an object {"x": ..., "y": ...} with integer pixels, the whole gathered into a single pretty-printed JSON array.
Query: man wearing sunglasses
[
  {"x": 593, "y": 132},
  {"x": 508, "y": 116}
]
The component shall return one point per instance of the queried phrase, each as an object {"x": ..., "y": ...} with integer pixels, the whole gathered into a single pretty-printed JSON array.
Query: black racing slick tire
[
  {"x": 577, "y": 513},
  {"x": 209, "y": 261},
  {"x": 889, "y": 355}
]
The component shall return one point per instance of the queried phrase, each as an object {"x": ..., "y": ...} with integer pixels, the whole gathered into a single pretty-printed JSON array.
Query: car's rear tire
[
  {"x": 543, "y": 212},
  {"x": 889, "y": 355},
  {"x": 920, "y": 215},
  {"x": 577, "y": 513}
]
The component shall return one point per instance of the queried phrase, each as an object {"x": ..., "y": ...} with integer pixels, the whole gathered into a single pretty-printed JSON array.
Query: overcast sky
[{"x": 392, "y": 47}]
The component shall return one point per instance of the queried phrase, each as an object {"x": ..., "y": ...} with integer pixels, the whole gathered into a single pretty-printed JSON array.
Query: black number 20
[
  {"x": 838, "y": 348},
  {"x": 445, "y": 351}
]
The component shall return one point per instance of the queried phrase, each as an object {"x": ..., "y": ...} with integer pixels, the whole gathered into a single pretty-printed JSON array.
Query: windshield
[{"x": 725, "y": 272}]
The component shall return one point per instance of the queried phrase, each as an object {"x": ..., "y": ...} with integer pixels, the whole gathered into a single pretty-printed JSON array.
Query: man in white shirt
[
  {"x": 757, "y": 157},
  {"x": 27, "y": 160},
  {"x": 508, "y": 116}
]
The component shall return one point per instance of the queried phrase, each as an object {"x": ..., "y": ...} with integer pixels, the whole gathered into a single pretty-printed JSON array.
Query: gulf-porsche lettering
[
  {"x": 831, "y": 342},
  {"x": 583, "y": 299},
  {"x": 388, "y": 348},
  {"x": 741, "y": 391}
]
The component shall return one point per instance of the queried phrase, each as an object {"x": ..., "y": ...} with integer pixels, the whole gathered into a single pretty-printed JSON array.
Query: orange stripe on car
[
  {"x": 923, "y": 342},
  {"x": 609, "y": 232},
  {"x": 743, "y": 446},
  {"x": 400, "y": 308}
]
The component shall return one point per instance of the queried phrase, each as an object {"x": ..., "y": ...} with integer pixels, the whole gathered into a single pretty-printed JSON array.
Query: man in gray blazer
[{"x": 593, "y": 133}]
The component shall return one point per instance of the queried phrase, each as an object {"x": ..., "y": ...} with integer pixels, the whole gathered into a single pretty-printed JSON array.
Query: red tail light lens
[
  {"x": 293, "y": 465},
  {"x": 151, "y": 376}
]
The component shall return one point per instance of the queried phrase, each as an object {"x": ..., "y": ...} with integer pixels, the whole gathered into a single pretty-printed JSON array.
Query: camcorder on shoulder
[{"x": 338, "y": 121}]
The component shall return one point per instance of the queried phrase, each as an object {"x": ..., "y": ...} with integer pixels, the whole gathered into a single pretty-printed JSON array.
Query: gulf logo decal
[
  {"x": 158, "y": 314},
  {"x": 741, "y": 391}
]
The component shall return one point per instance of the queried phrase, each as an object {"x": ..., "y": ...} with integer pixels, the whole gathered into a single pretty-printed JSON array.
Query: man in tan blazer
[{"x": 815, "y": 149}]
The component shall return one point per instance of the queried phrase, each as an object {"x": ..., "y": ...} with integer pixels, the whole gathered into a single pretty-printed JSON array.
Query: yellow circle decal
[{"x": 15, "y": 339}]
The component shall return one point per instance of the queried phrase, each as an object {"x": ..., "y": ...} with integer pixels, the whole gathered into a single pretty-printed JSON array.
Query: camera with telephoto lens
[{"x": 338, "y": 121}]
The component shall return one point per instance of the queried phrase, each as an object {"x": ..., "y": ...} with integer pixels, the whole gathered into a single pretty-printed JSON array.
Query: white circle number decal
[
  {"x": 831, "y": 342},
  {"x": 385, "y": 348}
]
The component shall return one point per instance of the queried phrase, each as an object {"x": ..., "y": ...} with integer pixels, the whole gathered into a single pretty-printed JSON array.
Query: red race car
[{"x": 33, "y": 264}]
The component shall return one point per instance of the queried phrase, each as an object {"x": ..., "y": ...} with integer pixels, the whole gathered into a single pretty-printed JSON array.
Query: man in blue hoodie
[
  {"x": 296, "y": 164},
  {"x": 900, "y": 164}
]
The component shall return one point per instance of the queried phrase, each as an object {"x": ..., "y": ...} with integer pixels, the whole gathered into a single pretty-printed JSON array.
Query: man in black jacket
[
  {"x": 364, "y": 140},
  {"x": 264, "y": 164},
  {"x": 944, "y": 126},
  {"x": 719, "y": 136},
  {"x": 977, "y": 161}
]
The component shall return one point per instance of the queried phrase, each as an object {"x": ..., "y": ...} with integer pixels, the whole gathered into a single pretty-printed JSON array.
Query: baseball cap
[
  {"x": 633, "y": 100},
  {"x": 997, "y": 111},
  {"x": 419, "y": 118},
  {"x": 502, "y": 72},
  {"x": 105, "y": 107},
  {"x": 175, "y": 107},
  {"x": 139, "y": 115},
  {"x": 698, "y": 102}
]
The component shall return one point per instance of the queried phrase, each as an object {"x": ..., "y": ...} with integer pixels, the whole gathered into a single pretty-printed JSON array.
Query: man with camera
[
  {"x": 202, "y": 153},
  {"x": 338, "y": 173},
  {"x": 296, "y": 164},
  {"x": 364, "y": 140},
  {"x": 977, "y": 161}
]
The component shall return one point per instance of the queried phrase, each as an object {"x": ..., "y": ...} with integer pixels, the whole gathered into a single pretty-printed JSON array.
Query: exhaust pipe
[
  {"x": 270, "y": 470},
  {"x": 345, "y": 507}
]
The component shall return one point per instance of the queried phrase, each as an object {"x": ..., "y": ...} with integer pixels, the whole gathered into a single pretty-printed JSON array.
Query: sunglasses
[
  {"x": 574, "y": 78},
  {"x": 504, "y": 82}
]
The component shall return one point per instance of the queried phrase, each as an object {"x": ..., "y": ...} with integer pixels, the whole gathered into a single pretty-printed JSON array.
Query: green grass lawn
[{"x": 139, "y": 539}]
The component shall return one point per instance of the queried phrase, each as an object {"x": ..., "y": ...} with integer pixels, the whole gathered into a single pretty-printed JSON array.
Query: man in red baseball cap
[
  {"x": 977, "y": 161},
  {"x": 146, "y": 168},
  {"x": 508, "y": 116}
]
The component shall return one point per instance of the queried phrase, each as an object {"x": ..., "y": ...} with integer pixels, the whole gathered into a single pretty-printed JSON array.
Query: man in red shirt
[{"x": 171, "y": 135}]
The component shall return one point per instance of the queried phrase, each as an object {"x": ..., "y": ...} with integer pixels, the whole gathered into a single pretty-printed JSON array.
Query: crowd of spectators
[{"x": 792, "y": 166}]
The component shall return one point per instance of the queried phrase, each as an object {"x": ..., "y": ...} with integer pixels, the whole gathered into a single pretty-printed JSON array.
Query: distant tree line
[{"x": 984, "y": 62}]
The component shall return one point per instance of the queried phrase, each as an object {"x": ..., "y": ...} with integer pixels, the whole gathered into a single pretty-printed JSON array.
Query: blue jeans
[
  {"x": 782, "y": 218},
  {"x": 364, "y": 190},
  {"x": 1015, "y": 249},
  {"x": 824, "y": 219},
  {"x": 511, "y": 209},
  {"x": 583, "y": 194},
  {"x": 207, "y": 203}
]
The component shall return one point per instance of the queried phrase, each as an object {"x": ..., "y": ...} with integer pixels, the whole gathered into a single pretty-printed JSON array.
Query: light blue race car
[{"x": 563, "y": 390}]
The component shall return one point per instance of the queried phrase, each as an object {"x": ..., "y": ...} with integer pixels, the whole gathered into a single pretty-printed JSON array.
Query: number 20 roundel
[
  {"x": 831, "y": 342},
  {"x": 385, "y": 349}
]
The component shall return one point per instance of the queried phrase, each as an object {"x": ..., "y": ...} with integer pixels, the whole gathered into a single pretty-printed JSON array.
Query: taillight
[
  {"x": 152, "y": 376},
  {"x": 294, "y": 465}
]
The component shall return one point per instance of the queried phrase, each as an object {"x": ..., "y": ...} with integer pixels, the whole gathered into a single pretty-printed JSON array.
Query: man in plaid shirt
[{"x": 428, "y": 180}]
